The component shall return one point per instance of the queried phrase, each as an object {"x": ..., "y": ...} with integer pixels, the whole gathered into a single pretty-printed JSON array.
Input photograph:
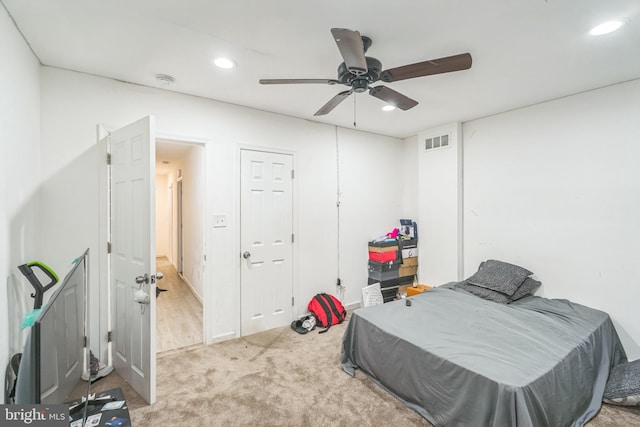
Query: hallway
[{"x": 178, "y": 311}]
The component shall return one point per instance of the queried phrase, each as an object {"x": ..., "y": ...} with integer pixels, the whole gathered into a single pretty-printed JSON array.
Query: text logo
[{"x": 34, "y": 415}]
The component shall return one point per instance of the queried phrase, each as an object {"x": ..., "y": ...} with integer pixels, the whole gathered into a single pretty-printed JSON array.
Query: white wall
[
  {"x": 371, "y": 204},
  {"x": 193, "y": 218},
  {"x": 555, "y": 187},
  {"x": 410, "y": 184},
  {"x": 20, "y": 166},
  {"x": 72, "y": 104},
  {"x": 70, "y": 222},
  {"x": 440, "y": 206},
  {"x": 163, "y": 216}
]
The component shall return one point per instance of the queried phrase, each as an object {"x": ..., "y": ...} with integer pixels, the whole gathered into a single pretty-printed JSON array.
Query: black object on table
[{"x": 114, "y": 414}]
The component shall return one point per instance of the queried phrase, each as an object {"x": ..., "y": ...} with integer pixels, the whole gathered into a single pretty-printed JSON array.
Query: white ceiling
[{"x": 524, "y": 51}]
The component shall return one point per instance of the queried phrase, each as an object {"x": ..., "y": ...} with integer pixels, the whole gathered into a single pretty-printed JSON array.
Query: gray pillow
[
  {"x": 528, "y": 287},
  {"x": 484, "y": 293},
  {"x": 499, "y": 276},
  {"x": 623, "y": 385}
]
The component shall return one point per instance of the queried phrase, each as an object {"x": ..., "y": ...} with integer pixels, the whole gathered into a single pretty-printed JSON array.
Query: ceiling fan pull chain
[{"x": 354, "y": 111}]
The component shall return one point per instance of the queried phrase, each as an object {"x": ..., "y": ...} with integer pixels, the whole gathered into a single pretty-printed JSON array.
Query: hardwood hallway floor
[{"x": 178, "y": 311}]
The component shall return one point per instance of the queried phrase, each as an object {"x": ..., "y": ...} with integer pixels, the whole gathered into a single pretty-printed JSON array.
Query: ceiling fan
[{"x": 359, "y": 72}]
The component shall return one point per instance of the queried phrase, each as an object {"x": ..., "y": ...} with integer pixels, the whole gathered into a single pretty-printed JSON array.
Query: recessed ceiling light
[
  {"x": 225, "y": 63},
  {"x": 605, "y": 28},
  {"x": 388, "y": 107}
]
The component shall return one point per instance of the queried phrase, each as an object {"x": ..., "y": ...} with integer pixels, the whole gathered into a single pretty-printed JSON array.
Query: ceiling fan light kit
[{"x": 359, "y": 72}]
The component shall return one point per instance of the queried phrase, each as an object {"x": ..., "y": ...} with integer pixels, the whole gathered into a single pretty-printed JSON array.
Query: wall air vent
[{"x": 441, "y": 141}]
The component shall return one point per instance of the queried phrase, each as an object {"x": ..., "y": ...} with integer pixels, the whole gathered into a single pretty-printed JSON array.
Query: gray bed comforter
[{"x": 459, "y": 360}]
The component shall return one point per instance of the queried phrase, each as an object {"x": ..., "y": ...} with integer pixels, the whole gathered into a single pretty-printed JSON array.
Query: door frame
[
  {"x": 298, "y": 305},
  {"x": 105, "y": 346},
  {"x": 103, "y": 255},
  {"x": 179, "y": 230}
]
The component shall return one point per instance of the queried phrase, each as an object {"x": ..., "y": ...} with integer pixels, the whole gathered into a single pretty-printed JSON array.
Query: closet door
[{"x": 266, "y": 237}]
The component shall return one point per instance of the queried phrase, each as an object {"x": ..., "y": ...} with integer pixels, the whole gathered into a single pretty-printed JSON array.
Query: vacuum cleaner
[{"x": 29, "y": 271}]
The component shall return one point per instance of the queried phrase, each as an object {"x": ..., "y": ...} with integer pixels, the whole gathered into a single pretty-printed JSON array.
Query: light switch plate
[{"x": 219, "y": 221}]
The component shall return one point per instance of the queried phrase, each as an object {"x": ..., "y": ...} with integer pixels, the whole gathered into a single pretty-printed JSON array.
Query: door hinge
[
  {"x": 108, "y": 247},
  {"x": 109, "y": 159},
  {"x": 292, "y": 174},
  {"x": 292, "y": 238},
  {"x": 292, "y": 301},
  {"x": 109, "y": 336},
  {"x": 84, "y": 341}
]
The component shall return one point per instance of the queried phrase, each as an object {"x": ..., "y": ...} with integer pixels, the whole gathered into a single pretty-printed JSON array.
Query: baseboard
[
  {"x": 193, "y": 290},
  {"x": 352, "y": 305},
  {"x": 223, "y": 337}
]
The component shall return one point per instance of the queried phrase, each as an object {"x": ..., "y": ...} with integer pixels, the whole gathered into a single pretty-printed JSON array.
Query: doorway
[{"x": 180, "y": 194}]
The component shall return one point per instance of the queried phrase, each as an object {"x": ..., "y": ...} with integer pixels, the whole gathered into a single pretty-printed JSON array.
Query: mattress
[{"x": 458, "y": 359}]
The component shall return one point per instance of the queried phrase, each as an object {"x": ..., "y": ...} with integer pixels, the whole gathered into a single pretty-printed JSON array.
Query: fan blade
[
  {"x": 333, "y": 103},
  {"x": 392, "y": 97},
  {"x": 352, "y": 49},
  {"x": 426, "y": 68},
  {"x": 297, "y": 81}
]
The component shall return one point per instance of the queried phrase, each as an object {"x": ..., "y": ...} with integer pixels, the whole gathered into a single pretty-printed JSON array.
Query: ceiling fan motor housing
[{"x": 360, "y": 83}]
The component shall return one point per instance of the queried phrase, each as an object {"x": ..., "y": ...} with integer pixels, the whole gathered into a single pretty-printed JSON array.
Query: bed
[{"x": 459, "y": 359}]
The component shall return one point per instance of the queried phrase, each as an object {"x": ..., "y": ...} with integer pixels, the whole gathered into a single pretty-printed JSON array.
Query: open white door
[{"x": 133, "y": 261}]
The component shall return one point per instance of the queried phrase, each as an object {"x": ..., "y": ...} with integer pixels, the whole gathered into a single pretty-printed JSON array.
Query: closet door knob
[{"x": 246, "y": 255}]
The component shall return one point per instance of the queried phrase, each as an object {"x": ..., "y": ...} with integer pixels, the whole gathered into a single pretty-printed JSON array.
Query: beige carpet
[{"x": 280, "y": 378}]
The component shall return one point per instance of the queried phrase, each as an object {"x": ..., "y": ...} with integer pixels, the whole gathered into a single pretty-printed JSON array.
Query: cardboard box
[
  {"x": 383, "y": 246},
  {"x": 381, "y": 276},
  {"x": 408, "y": 243},
  {"x": 383, "y": 256},
  {"x": 408, "y": 271},
  {"x": 410, "y": 262},
  {"x": 389, "y": 294},
  {"x": 393, "y": 283},
  {"x": 410, "y": 253},
  {"x": 384, "y": 266}
]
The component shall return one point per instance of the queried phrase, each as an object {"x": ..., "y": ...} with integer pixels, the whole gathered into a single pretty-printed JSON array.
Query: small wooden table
[{"x": 415, "y": 290}]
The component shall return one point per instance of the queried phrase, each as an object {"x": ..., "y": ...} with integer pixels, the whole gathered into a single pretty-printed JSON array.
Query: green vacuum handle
[
  {"x": 28, "y": 271},
  {"x": 46, "y": 270}
]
